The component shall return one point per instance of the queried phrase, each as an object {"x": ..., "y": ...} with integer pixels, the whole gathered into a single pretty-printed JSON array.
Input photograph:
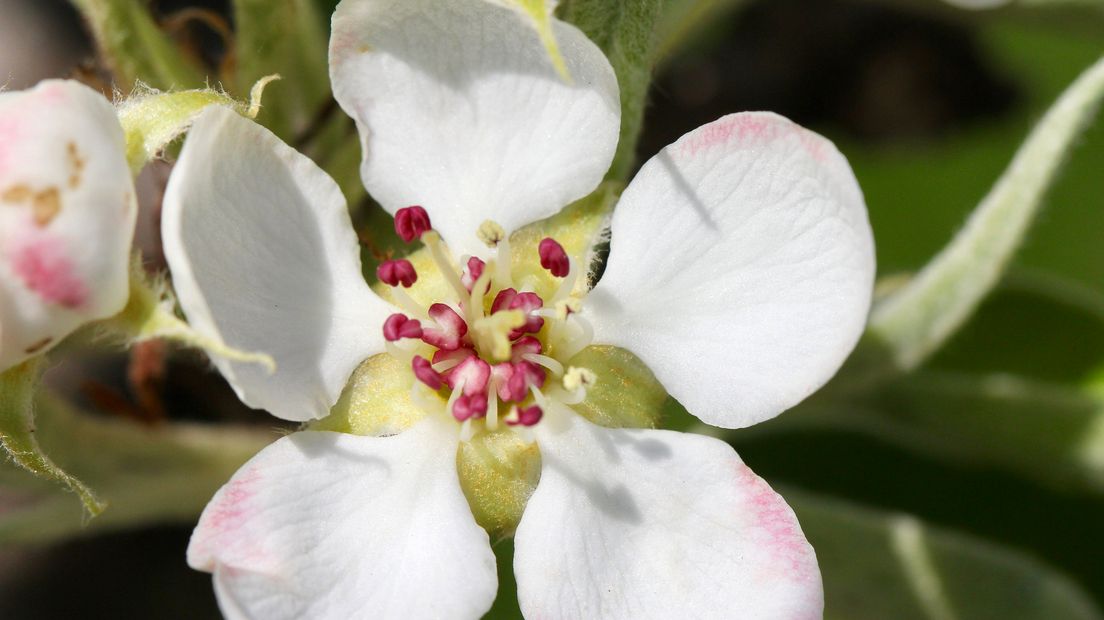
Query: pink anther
[
  {"x": 424, "y": 372},
  {"x": 473, "y": 373},
  {"x": 398, "y": 326},
  {"x": 470, "y": 406},
  {"x": 450, "y": 329},
  {"x": 527, "y": 416},
  {"x": 396, "y": 272},
  {"x": 411, "y": 222},
  {"x": 525, "y": 345},
  {"x": 514, "y": 380},
  {"x": 553, "y": 258},
  {"x": 473, "y": 272},
  {"x": 510, "y": 299}
]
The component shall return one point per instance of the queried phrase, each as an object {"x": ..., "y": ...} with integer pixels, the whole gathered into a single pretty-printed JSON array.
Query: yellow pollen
[
  {"x": 576, "y": 378},
  {"x": 491, "y": 233}
]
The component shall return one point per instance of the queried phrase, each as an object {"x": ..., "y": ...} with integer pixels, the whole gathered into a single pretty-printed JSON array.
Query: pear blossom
[
  {"x": 739, "y": 272},
  {"x": 67, "y": 215}
]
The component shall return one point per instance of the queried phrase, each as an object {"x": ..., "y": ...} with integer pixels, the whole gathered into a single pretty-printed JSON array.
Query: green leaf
[
  {"x": 18, "y": 433},
  {"x": 915, "y": 321},
  {"x": 287, "y": 37},
  {"x": 878, "y": 565},
  {"x": 683, "y": 18},
  {"x": 150, "y": 475},
  {"x": 1034, "y": 325},
  {"x": 625, "y": 31},
  {"x": 133, "y": 46}
]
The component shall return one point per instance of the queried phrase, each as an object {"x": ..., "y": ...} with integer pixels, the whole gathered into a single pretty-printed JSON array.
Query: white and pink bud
[{"x": 67, "y": 213}]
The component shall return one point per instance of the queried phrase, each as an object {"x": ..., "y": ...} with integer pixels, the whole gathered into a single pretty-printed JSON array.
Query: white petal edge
[
  {"x": 264, "y": 257},
  {"x": 741, "y": 268},
  {"x": 657, "y": 524},
  {"x": 67, "y": 213},
  {"x": 460, "y": 111},
  {"x": 329, "y": 525}
]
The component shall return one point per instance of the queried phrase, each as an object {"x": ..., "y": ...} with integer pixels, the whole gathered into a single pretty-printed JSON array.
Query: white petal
[
  {"x": 263, "y": 256},
  {"x": 741, "y": 268},
  {"x": 461, "y": 111},
  {"x": 67, "y": 212},
  {"x": 658, "y": 524},
  {"x": 330, "y": 525}
]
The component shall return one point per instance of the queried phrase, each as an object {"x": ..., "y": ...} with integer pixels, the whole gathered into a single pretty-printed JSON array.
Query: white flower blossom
[
  {"x": 67, "y": 213},
  {"x": 740, "y": 272}
]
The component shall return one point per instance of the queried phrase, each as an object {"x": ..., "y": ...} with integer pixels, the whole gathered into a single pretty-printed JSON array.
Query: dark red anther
[
  {"x": 396, "y": 272},
  {"x": 553, "y": 258},
  {"x": 411, "y": 222},
  {"x": 424, "y": 372},
  {"x": 527, "y": 416},
  {"x": 398, "y": 326}
]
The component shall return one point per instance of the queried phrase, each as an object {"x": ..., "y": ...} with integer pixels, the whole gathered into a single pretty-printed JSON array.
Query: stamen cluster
[{"x": 485, "y": 356}]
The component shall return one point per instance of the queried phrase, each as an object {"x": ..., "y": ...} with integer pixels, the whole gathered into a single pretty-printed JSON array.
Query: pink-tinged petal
[
  {"x": 741, "y": 268},
  {"x": 329, "y": 525},
  {"x": 67, "y": 213},
  {"x": 460, "y": 111},
  {"x": 657, "y": 524},
  {"x": 450, "y": 329},
  {"x": 263, "y": 256}
]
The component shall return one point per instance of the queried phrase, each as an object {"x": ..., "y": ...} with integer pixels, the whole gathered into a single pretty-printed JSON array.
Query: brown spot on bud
[
  {"x": 16, "y": 193},
  {"x": 76, "y": 164},
  {"x": 45, "y": 206}
]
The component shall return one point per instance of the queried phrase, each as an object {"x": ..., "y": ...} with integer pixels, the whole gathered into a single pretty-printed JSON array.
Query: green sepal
[
  {"x": 625, "y": 32},
  {"x": 134, "y": 47},
  {"x": 376, "y": 400},
  {"x": 498, "y": 472},
  {"x": 152, "y": 119},
  {"x": 17, "y": 432},
  {"x": 626, "y": 395}
]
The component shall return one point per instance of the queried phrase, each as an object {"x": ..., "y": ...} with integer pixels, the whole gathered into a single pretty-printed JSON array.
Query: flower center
[{"x": 494, "y": 351}]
